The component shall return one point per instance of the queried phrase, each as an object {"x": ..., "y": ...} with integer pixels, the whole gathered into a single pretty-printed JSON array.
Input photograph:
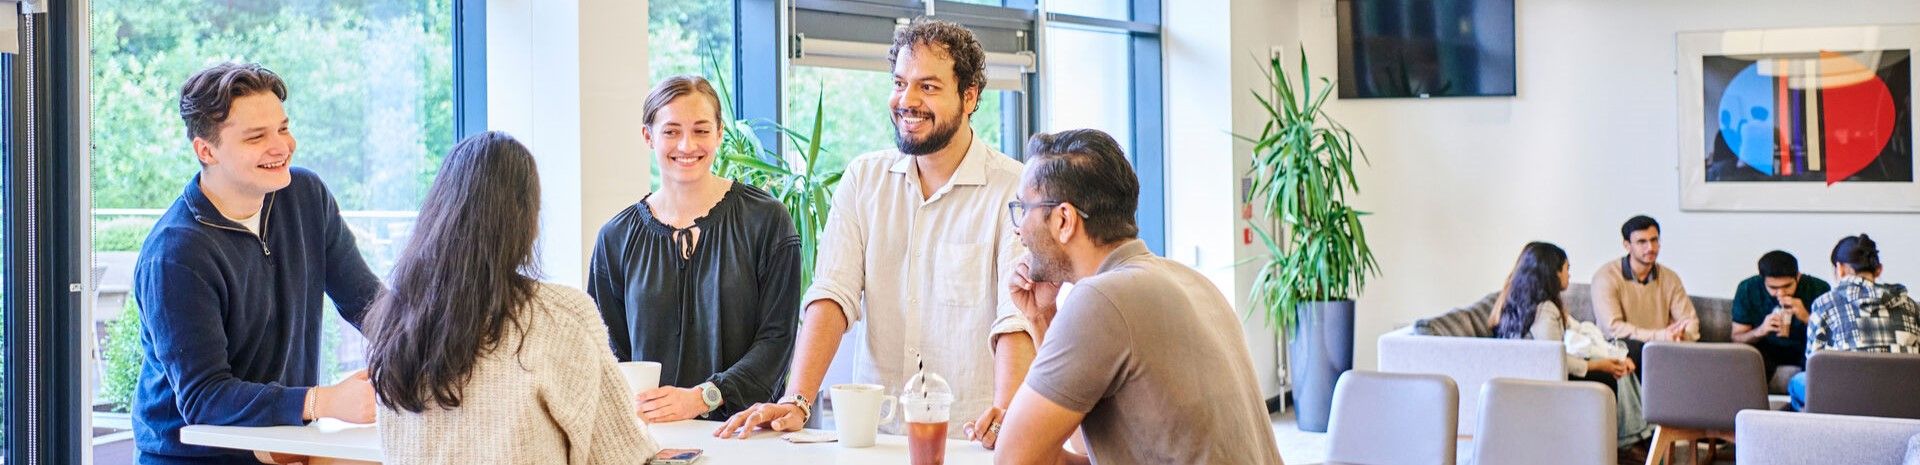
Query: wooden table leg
[{"x": 1662, "y": 442}]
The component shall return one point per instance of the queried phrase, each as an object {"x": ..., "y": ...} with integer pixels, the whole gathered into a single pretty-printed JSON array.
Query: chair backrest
[
  {"x": 1394, "y": 418},
  {"x": 1864, "y": 383},
  {"x": 1769, "y": 438},
  {"x": 1701, "y": 385},
  {"x": 1559, "y": 422},
  {"x": 1471, "y": 361}
]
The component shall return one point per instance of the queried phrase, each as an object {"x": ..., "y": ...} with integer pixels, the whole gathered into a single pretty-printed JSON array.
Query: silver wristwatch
[
  {"x": 799, "y": 400},
  {"x": 710, "y": 395}
]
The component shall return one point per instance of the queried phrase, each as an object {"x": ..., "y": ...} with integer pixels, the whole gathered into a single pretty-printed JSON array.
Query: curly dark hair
[
  {"x": 969, "y": 58},
  {"x": 206, "y": 97}
]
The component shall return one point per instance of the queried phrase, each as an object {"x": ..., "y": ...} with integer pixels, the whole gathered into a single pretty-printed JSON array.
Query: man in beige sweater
[{"x": 1636, "y": 299}]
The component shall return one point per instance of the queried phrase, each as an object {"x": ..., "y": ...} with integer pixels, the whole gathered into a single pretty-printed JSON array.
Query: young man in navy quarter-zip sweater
[{"x": 231, "y": 279}]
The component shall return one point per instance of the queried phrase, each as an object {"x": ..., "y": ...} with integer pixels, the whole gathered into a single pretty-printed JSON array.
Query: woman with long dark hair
[
  {"x": 1529, "y": 308},
  {"x": 473, "y": 359}
]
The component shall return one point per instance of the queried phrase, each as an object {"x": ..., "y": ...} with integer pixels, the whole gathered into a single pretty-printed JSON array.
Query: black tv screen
[{"x": 1426, "y": 48}]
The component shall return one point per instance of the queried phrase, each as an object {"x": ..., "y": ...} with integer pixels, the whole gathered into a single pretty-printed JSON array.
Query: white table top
[{"x": 328, "y": 438}]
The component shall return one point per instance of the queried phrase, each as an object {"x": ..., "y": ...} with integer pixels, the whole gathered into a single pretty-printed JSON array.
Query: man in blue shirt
[{"x": 230, "y": 282}]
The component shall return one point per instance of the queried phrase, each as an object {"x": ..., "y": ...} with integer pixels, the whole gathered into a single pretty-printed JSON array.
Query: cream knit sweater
[{"x": 559, "y": 400}]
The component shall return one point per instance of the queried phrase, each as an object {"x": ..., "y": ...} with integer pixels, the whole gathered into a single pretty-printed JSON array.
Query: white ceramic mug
[
  {"x": 640, "y": 376},
  {"x": 857, "y": 412}
]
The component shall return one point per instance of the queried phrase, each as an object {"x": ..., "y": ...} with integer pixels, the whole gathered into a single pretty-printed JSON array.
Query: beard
[
  {"x": 1047, "y": 262},
  {"x": 943, "y": 131}
]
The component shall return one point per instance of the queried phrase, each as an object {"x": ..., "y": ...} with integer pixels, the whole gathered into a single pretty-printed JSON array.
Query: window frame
[
  {"x": 470, "y": 68},
  {"x": 1147, "y": 107},
  {"x": 46, "y": 245},
  {"x": 44, "y": 175},
  {"x": 758, "y": 79},
  {"x": 1017, "y": 114}
]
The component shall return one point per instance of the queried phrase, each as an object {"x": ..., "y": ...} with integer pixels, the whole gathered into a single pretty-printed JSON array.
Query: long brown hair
[
  {"x": 1535, "y": 278},
  {"x": 463, "y": 277}
]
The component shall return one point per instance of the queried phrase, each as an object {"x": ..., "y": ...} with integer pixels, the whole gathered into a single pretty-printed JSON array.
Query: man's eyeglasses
[{"x": 1018, "y": 209}]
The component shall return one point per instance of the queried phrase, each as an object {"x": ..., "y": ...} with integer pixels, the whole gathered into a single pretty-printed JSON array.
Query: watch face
[{"x": 711, "y": 395}]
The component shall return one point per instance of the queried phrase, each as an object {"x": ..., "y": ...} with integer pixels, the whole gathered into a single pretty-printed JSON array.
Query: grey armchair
[
  {"x": 1693, "y": 391},
  {"x": 1786, "y": 438},
  {"x": 1558, "y": 422},
  {"x": 1864, "y": 383},
  {"x": 1393, "y": 419}
]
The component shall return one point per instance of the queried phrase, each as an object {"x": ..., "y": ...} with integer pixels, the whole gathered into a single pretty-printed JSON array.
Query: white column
[
  {"x": 1211, "y": 72},
  {"x": 568, "y": 78}
]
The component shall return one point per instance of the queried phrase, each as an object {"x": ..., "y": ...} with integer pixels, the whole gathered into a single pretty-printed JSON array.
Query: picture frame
[{"x": 1798, "y": 120}]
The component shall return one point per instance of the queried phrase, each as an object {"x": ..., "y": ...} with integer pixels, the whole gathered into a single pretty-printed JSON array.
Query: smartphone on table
[{"x": 676, "y": 457}]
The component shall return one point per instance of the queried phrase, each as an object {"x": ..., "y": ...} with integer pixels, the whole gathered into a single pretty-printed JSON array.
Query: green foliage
[
  {"x": 121, "y": 357},
  {"x": 1302, "y": 170},
  {"x": 801, "y": 185},
  {"x": 122, "y": 235},
  {"x": 370, "y": 91},
  {"x": 370, "y": 96}
]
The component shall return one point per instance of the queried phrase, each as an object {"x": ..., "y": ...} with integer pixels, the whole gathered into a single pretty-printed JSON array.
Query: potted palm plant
[
  {"x": 800, "y": 184},
  {"x": 1301, "y": 174}
]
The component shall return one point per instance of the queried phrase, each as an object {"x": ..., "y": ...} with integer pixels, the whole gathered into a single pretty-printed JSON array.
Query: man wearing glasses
[
  {"x": 915, "y": 251},
  {"x": 1146, "y": 356}
]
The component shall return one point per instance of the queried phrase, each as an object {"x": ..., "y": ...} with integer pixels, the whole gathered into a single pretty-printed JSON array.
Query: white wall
[
  {"x": 1210, "y": 68},
  {"x": 1459, "y": 184}
]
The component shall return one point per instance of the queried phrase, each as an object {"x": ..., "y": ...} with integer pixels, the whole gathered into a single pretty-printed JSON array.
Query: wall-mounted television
[{"x": 1426, "y": 48}]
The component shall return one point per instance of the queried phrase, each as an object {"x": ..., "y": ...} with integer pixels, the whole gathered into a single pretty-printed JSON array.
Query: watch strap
[{"x": 710, "y": 394}]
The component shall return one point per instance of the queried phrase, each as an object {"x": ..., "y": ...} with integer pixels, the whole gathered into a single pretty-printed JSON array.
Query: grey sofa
[
  {"x": 1716, "y": 316},
  {"x": 1460, "y": 345}
]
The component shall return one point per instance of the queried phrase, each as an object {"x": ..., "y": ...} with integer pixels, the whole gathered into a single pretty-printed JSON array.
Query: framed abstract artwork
[{"x": 1807, "y": 120}]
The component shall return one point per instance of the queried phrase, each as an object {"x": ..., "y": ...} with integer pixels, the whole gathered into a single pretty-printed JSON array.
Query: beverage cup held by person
[
  {"x": 640, "y": 376},
  {"x": 1785, "y": 317},
  {"x": 858, "y": 412}
]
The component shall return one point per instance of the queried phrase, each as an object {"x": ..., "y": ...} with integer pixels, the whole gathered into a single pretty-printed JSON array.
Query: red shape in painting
[{"x": 1859, "y": 120}]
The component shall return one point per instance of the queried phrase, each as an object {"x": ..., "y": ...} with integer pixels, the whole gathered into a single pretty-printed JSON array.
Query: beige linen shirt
[{"x": 923, "y": 275}]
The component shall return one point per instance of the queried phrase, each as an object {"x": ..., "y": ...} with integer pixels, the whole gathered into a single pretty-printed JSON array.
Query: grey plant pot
[{"x": 1321, "y": 350}]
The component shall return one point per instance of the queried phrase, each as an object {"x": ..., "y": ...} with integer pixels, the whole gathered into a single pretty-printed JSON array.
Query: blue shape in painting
[{"x": 1746, "y": 118}]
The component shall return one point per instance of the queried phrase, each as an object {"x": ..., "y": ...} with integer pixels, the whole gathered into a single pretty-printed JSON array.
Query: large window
[
  {"x": 1082, "y": 77},
  {"x": 1094, "y": 64},
  {"x": 371, "y": 100},
  {"x": 689, "y": 37},
  {"x": 841, "y": 46},
  {"x": 855, "y": 112},
  {"x": 1101, "y": 63}
]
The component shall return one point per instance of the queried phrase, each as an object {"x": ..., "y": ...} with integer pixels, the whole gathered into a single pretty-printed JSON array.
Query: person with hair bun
[{"x": 1861, "y": 314}]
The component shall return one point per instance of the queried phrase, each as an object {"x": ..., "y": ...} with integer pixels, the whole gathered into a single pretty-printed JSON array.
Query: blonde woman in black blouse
[{"x": 703, "y": 275}]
